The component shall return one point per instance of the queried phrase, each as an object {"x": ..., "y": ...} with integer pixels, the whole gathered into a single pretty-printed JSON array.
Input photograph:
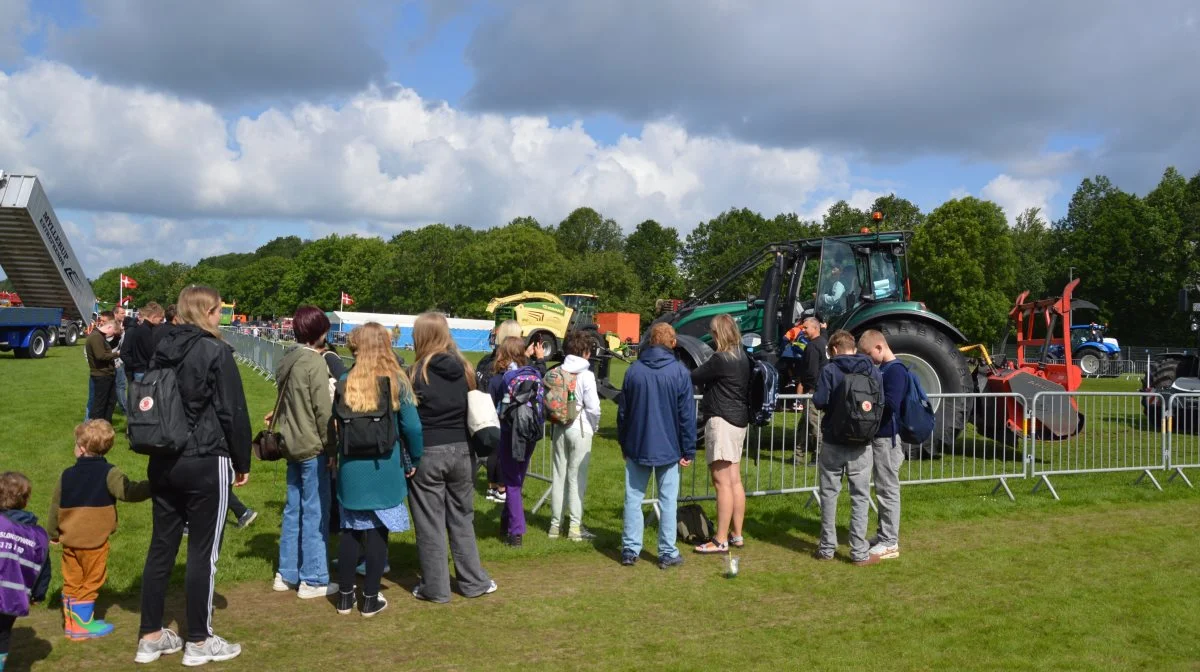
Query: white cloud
[
  {"x": 1016, "y": 194},
  {"x": 382, "y": 159}
]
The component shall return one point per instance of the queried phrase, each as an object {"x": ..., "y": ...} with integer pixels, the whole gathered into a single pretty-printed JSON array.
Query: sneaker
[
  {"x": 817, "y": 555},
  {"x": 212, "y": 650},
  {"x": 513, "y": 540},
  {"x": 246, "y": 518},
  {"x": 581, "y": 534},
  {"x": 670, "y": 561},
  {"x": 492, "y": 587},
  {"x": 346, "y": 602},
  {"x": 501, "y": 496},
  {"x": 628, "y": 558},
  {"x": 372, "y": 604},
  {"x": 868, "y": 561},
  {"x": 885, "y": 552},
  {"x": 185, "y": 529},
  {"x": 554, "y": 531},
  {"x": 281, "y": 586},
  {"x": 149, "y": 651},
  {"x": 307, "y": 592}
]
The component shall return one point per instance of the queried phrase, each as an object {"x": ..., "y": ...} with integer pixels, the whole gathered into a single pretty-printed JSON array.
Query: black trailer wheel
[
  {"x": 72, "y": 335},
  {"x": 933, "y": 357}
]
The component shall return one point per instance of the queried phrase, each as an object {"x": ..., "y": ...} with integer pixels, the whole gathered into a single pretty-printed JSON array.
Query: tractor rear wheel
[{"x": 934, "y": 359}]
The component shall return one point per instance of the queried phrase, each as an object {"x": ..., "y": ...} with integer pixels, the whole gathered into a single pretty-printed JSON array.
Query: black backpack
[
  {"x": 764, "y": 390},
  {"x": 855, "y": 410},
  {"x": 156, "y": 419},
  {"x": 369, "y": 434},
  {"x": 692, "y": 526}
]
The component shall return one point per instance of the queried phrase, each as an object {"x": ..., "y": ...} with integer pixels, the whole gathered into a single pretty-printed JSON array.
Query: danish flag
[
  {"x": 347, "y": 300},
  {"x": 128, "y": 282},
  {"x": 128, "y": 300}
]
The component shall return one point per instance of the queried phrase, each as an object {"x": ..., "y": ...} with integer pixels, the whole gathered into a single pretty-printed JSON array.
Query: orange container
[{"x": 624, "y": 325}]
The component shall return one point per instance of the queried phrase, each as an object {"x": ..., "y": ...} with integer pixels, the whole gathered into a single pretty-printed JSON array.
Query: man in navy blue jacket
[
  {"x": 656, "y": 427},
  {"x": 834, "y": 456},
  {"x": 886, "y": 449}
]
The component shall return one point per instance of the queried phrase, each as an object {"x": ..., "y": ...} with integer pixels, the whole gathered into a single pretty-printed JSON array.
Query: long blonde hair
[
  {"x": 373, "y": 359},
  {"x": 510, "y": 351},
  {"x": 196, "y": 303},
  {"x": 725, "y": 333},
  {"x": 431, "y": 336}
]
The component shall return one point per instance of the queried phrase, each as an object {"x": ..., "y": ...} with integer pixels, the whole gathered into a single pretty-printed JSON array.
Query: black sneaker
[
  {"x": 628, "y": 558},
  {"x": 670, "y": 561},
  {"x": 513, "y": 540},
  {"x": 372, "y": 604},
  {"x": 345, "y": 602},
  {"x": 246, "y": 518}
]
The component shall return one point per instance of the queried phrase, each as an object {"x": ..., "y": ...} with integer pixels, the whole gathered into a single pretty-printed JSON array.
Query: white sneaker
[
  {"x": 212, "y": 650},
  {"x": 885, "y": 552},
  {"x": 307, "y": 592},
  {"x": 555, "y": 531},
  {"x": 149, "y": 651},
  {"x": 281, "y": 586}
]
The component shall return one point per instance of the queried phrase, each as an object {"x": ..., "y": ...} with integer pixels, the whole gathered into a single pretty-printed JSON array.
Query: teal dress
[{"x": 372, "y": 491}]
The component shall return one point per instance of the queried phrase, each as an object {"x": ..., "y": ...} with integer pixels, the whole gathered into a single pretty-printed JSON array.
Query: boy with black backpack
[
  {"x": 886, "y": 448},
  {"x": 850, "y": 392}
]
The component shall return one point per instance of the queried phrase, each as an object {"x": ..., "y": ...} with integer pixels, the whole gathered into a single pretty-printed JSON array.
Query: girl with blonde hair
[
  {"x": 483, "y": 374},
  {"x": 371, "y": 490},
  {"x": 443, "y": 494},
  {"x": 725, "y": 381}
]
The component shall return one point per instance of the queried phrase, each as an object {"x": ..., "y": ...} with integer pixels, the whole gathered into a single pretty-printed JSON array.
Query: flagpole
[{"x": 121, "y": 291}]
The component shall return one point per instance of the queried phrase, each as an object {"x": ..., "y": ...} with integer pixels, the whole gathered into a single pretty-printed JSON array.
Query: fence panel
[
  {"x": 985, "y": 450},
  {"x": 1118, "y": 435},
  {"x": 1184, "y": 448}
]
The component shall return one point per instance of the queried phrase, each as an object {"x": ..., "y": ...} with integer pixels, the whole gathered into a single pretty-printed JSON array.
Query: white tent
[{"x": 470, "y": 335}]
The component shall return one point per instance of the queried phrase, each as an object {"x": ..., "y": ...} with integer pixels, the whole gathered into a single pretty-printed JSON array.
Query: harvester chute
[{"x": 1054, "y": 418}]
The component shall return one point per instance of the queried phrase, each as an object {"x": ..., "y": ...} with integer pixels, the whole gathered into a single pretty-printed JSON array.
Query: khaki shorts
[{"x": 723, "y": 441}]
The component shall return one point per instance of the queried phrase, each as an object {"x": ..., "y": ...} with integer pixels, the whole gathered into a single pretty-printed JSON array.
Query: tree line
[{"x": 966, "y": 262}]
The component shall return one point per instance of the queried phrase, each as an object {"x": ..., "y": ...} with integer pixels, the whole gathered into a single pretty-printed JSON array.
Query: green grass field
[{"x": 1104, "y": 579}]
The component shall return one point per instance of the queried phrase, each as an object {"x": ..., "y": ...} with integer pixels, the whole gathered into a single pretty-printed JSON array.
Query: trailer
[
  {"x": 36, "y": 257},
  {"x": 26, "y": 331}
]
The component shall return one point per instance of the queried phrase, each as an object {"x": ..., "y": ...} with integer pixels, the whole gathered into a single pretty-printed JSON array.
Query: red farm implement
[{"x": 1039, "y": 325}]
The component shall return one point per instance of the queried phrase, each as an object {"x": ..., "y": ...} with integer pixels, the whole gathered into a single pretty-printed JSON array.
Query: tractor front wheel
[
  {"x": 1091, "y": 363},
  {"x": 934, "y": 359},
  {"x": 549, "y": 346}
]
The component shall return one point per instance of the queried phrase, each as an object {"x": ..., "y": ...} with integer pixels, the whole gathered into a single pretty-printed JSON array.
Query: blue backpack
[{"x": 915, "y": 417}]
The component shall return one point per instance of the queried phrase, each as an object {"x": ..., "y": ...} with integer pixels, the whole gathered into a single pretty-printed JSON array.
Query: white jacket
[{"x": 586, "y": 397}]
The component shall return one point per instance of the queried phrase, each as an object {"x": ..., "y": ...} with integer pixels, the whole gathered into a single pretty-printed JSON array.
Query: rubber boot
[{"x": 81, "y": 622}]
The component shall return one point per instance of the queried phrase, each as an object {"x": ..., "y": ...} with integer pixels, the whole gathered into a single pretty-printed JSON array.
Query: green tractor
[{"x": 853, "y": 282}]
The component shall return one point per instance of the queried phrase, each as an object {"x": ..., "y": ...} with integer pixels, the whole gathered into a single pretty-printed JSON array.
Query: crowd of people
[{"x": 383, "y": 447}]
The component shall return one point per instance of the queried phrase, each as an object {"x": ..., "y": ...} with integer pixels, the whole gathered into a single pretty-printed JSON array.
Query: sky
[{"x": 178, "y": 130}]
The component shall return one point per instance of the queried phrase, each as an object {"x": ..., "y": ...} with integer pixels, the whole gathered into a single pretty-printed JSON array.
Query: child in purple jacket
[{"x": 24, "y": 556}]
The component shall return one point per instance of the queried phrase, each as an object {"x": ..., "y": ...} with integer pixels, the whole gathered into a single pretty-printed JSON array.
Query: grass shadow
[{"x": 26, "y": 648}]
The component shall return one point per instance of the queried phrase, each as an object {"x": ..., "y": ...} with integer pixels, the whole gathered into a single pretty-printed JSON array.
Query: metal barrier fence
[
  {"x": 1118, "y": 435},
  {"x": 1183, "y": 449},
  {"x": 1123, "y": 432}
]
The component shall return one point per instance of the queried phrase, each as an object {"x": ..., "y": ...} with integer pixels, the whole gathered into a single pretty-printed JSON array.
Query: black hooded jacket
[
  {"x": 442, "y": 402},
  {"x": 211, "y": 387}
]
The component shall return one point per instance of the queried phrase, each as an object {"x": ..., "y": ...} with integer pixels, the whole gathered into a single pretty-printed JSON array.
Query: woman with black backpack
[
  {"x": 442, "y": 493},
  {"x": 725, "y": 381},
  {"x": 192, "y": 487},
  {"x": 374, "y": 460}
]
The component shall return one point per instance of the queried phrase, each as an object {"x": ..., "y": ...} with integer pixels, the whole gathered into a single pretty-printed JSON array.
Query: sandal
[
  {"x": 712, "y": 547},
  {"x": 737, "y": 542}
]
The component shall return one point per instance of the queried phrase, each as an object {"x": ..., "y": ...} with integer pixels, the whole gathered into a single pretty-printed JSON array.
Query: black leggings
[
  {"x": 6, "y": 626},
  {"x": 351, "y": 545}
]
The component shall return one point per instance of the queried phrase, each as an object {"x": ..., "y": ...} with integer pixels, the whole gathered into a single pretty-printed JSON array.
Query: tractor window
[
  {"x": 837, "y": 282},
  {"x": 884, "y": 277}
]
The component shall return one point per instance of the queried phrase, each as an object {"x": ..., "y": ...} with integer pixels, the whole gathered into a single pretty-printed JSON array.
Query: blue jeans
[
  {"x": 637, "y": 477},
  {"x": 302, "y": 542},
  {"x": 122, "y": 387}
]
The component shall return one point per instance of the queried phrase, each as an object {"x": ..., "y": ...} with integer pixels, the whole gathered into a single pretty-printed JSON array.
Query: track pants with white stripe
[{"x": 195, "y": 491}]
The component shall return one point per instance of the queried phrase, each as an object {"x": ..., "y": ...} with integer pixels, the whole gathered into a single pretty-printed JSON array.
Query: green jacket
[
  {"x": 307, "y": 407},
  {"x": 372, "y": 484}
]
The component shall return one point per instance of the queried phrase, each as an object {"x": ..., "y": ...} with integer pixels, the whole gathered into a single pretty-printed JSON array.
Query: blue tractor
[{"x": 1095, "y": 353}]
